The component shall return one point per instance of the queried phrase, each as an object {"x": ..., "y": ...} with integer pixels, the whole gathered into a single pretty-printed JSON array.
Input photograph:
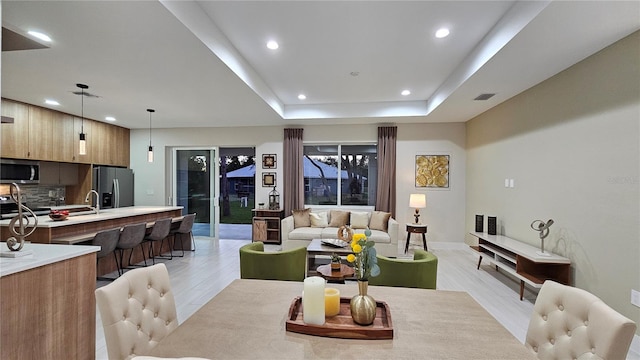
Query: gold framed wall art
[{"x": 432, "y": 171}]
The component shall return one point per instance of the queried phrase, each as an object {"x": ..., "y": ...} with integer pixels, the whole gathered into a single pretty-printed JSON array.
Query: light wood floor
[{"x": 200, "y": 275}]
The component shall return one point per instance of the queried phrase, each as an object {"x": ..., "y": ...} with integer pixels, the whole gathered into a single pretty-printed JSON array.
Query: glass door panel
[{"x": 195, "y": 187}]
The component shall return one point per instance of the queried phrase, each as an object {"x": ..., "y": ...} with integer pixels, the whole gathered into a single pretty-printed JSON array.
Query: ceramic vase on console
[{"x": 363, "y": 306}]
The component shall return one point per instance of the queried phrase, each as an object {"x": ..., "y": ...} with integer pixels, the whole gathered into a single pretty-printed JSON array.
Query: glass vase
[{"x": 363, "y": 306}]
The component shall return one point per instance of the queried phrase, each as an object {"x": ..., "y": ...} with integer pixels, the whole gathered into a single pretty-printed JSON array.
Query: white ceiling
[{"x": 205, "y": 63}]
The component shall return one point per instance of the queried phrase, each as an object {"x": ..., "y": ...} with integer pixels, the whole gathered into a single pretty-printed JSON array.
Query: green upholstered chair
[
  {"x": 421, "y": 272},
  {"x": 283, "y": 265}
]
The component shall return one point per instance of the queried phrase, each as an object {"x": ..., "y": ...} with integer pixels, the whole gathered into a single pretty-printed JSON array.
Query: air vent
[
  {"x": 484, "y": 97},
  {"x": 7, "y": 120}
]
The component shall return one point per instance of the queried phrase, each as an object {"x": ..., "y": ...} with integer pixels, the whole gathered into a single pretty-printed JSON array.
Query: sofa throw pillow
[
  {"x": 359, "y": 220},
  {"x": 301, "y": 218},
  {"x": 319, "y": 220},
  {"x": 379, "y": 220},
  {"x": 339, "y": 218}
]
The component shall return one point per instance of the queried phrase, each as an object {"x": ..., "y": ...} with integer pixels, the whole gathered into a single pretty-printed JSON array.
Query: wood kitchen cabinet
[
  {"x": 58, "y": 173},
  {"x": 42, "y": 134},
  {"x": 41, "y": 139},
  {"x": 15, "y": 135}
]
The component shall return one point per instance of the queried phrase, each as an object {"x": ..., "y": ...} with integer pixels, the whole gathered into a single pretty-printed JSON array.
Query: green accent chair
[
  {"x": 421, "y": 272},
  {"x": 287, "y": 265}
]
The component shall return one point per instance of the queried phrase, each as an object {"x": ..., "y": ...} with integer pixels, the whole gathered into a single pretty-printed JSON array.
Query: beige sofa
[{"x": 305, "y": 225}]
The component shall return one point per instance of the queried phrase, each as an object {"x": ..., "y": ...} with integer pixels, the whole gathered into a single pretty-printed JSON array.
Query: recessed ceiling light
[
  {"x": 272, "y": 44},
  {"x": 443, "y": 32},
  {"x": 110, "y": 118},
  {"x": 40, "y": 36},
  {"x": 405, "y": 92},
  {"x": 51, "y": 102},
  {"x": 302, "y": 97}
]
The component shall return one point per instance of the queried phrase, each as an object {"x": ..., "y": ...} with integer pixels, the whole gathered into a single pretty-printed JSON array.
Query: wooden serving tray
[{"x": 342, "y": 325}]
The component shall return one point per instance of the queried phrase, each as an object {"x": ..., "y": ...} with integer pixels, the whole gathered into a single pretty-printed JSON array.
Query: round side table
[
  {"x": 416, "y": 229},
  {"x": 336, "y": 276}
]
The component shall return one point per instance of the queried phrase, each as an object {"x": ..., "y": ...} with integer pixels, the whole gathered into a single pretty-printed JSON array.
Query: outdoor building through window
[{"x": 340, "y": 175}]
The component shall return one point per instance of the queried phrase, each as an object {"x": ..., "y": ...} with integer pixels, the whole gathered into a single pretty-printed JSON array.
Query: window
[{"x": 354, "y": 185}]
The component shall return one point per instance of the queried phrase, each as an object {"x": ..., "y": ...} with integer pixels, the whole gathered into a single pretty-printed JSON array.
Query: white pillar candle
[{"x": 313, "y": 301}]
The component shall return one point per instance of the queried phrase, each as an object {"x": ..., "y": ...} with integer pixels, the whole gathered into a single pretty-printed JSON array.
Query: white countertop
[
  {"x": 42, "y": 254},
  {"x": 105, "y": 214}
]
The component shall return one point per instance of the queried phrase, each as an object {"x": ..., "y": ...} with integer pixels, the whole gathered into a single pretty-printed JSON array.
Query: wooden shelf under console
[{"x": 522, "y": 261}]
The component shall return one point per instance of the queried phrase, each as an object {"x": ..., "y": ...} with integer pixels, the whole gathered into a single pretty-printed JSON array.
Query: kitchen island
[
  {"x": 47, "y": 302},
  {"x": 82, "y": 228}
]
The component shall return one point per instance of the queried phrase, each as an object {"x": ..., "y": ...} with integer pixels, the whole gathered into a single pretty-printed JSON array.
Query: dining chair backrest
[
  {"x": 132, "y": 235},
  {"x": 137, "y": 311},
  {"x": 186, "y": 225},
  {"x": 160, "y": 229},
  {"x": 107, "y": 240},
  {"x": 571, "y": 323}
]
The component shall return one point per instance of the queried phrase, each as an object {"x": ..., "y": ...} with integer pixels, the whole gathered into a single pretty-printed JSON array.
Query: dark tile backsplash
[{"x": 39, "y": 195}]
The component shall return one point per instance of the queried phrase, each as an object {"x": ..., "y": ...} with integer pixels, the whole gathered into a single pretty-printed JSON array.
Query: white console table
[{"x": 522, "y": 261}]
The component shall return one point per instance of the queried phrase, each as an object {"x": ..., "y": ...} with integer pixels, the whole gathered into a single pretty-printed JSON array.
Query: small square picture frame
[
  {"x": 269, "y": 161},
  {"x": 268, "y": 179}
]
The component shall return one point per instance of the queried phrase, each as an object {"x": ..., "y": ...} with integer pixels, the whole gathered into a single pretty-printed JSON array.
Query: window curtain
[
  {"x": 386, "y": 192},
  {"x": 293, "y": 182}
]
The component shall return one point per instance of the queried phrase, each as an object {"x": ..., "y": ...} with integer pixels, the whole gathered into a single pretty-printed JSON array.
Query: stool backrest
[
  {"x": 187, "y": 224},
  {"x": 132, "y": 235},
  {"x": 160, "y": 229},
  {"x": 107, "y": 240}
]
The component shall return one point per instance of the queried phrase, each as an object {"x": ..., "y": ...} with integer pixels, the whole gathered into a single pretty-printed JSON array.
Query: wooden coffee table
[
  {"x": 317, "y": 248},
  {"x": 336, "y": 276}
]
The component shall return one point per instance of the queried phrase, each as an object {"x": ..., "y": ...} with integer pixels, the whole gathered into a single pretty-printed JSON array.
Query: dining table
[{"x": 248, "y": 318}]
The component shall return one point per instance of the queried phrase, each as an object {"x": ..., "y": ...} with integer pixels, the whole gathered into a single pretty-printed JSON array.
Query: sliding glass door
[{"x": 194, "y": 187}]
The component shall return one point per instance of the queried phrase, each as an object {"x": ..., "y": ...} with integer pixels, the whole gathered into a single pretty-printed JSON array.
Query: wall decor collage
[{"x": 269, "y": 161}]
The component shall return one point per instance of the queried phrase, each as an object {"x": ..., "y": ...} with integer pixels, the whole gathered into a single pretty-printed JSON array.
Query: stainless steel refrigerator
[{"x": 114, "y": 185}]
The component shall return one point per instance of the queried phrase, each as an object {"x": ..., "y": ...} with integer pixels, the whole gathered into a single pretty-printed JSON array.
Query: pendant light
[
  {"x": 83, "y": 137},
  {"x": 150, "y": 153}
]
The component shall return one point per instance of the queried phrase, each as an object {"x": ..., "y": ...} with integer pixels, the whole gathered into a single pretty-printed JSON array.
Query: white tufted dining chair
[
  {"x": 571, "y": 323},
  {"x": 137, "y": 311}
]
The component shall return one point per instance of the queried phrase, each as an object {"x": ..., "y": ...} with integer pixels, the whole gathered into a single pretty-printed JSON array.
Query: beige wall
[
  {"x": 445, "y": 208},
  {"x": 571, "y": 144}
]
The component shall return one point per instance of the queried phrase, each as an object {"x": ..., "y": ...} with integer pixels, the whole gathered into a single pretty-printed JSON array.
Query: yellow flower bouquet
[{"x": 363, "y": 257}]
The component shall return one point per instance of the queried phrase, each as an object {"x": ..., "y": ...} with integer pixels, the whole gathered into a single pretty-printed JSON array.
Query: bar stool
[
  {"x": 130, "y": 237},
  {"x": 159, "y": 232},
  {"x": 107, "y": 240},
  {"x": 186, "y": 227}
]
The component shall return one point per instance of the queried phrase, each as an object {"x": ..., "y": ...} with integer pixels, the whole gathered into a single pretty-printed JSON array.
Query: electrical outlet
[
  {"x": 506, "y": 183},
  {"x": 635, "y": 297}
]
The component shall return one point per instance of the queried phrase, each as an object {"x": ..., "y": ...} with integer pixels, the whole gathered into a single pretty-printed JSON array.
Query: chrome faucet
[{"x": 86, "y": 199}]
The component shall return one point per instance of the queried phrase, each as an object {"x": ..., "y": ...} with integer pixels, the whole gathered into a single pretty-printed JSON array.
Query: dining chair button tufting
[
  {"x": 138, "y": 327},
  {"x": 124, "y": 318},
  {"x": 149, "y": 286},
  {"x": 130, "y": 296},
  {"x": 544, "y": 317},
  {"x": 161, "y": 294},
  {"x": 552, "y": 341},
  {"x": 166, "y": 322},
  {"x": 561, "y": 307},
  {"x": 593, "y": 350},
  {"x": 586, "y": 323},
  {"x": 569, "y": 333},
  {"x": 155, "y": 315}
]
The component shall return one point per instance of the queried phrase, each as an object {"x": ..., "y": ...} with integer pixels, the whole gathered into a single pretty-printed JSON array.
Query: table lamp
[{"x": 417, "y": 201}]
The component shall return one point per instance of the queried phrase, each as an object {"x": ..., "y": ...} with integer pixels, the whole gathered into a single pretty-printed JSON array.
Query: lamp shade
[{"x": 418, "y": 201}]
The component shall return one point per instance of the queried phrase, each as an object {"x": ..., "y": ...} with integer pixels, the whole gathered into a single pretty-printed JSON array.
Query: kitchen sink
[{"x": 75, "y": 210}]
